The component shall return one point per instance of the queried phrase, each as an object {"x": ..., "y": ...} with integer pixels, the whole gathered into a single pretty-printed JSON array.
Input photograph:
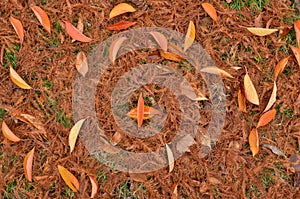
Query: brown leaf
[
  {"x": 266, "y": 118},
  {"x": 215, "y": 70},
  {"x": 94, "y": 186},
  {"x": 190, "y": 36},
  {"x": 261, "y": 31},
  {"x": 210, "y": 10},
  {"x": 297, "y": 30},
  {"x": 69, "y": 178},
  {"x": 140, "y": 110},
  {"x": 272, "y": 98},
  {"x": 114, "y": 48},
  {"x": 117, "y": 137},
  {"x": 296, "y": 52},
  {"x": 75, "y": 33},
  {"x": 171, "y": 56},
  {"x": 42, "y": 17},
  {"x": 280, "y": 66},
  {"x": 213, "y": 180},
  {"x": 9, "y": 134},
  {"x": 170, "y": 158},
  {"x": 28, "y": 165},
  {"x": 18, "y": 28},
  {"x": 122, "y": 25},
  {"x": 174, "y": 191},
  {"x": 160, "y": 39},
  {"x": 81, "y": 63},
  {"x": 254, "y": 142},
  {"x": 121, "y": 9},
  {"x": 250, "y": 91},
  {"x": 242, "y": 99}
]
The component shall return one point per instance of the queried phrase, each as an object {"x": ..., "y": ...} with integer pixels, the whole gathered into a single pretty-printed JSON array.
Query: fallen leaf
[
  {"x": 295, "y": 162},
  {"x": 81, "y": 63},
  {"x": 18, "y": 28},
  {"x": 122, "y": 25},
  {"x": 170, "y": 158},
  {"x": 80, "y": 26},
  {"x": 297, "y": 30},
  {"x": 174, "y": 191},
  {"x": 272, "y": 98},
  {"x": 116, "y": 138},
  {"x": 297, "y": 100},
  {"x": 236, "y": 67},
  {"x": 160, "y": 39},
  {"x": 171, "y": 56},
  {"x": 242, "y": 99},
  {"x": 280, "y": 66},
  {"x": 200, "y": 98},
  {"x": 121, "y": 9},
  {"x": 74, "y": 134},
  {"x": 140, "y": 110},
  {"x": 28, "y": 165},
  {"x": 2, "y": 53},
  {"x": 42, "y": 17},
  {"x": 266, "y": 118},
  {"x": 114, "y": 48},
  {"x": 254, "y": 142},
  {"x": 274, "y": 149},
  {"x": 215, "y": 70},
  {"x": 149, "y": 112},
  {"x": 9, "y": 134},
  {"x": 69, "y": 178},
  {"x": 285, "y": 31},
  {"x": 75, "y": 33},
  {"x": 296, "y": 52},
  {"x": 15, "y": 78},
  {"x": 250, "y": 91},
  {"x": 190, "y": 36},
  {"x": 261, "y": 31},
  {"x": 94, "y": 186},
  {"x": 210, "y": 10}
]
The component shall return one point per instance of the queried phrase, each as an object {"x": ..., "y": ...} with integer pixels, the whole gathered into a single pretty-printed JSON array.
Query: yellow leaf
[
  {"x": 297, "y": 30},
  {"x": 18, "y": 28},
  {"x": 266, "y": 118},
  {"x": 261, "y": 31},
  {"x": 216, "y": 71},
  {"x": 28, "y": 165},
  {"x": 9, "y": 134},
  {"x": 160, "y": 39},
  {"x": 94, "y": 186},
  {"x": 250, "y": 92},
  {"x": 74, "y": 134},
  {"x": 210, "y": 10},
  {"x": 121, "y": 9},
  {"x": 254, "y": 142},
  {"x": 42, "y": 17},
  {"x": 242, "y": 99},
  {"x": 280, "y": 66},
  {"x": 17, "y": 79},
  {"x": 114, "y": 48},
  {"x": 296, "y": 52},
  {"x": 272, "y": 98},
  {"x": 170, "y": 158},
  {"x": 69, "y": 178},
  {"x": 81, "y": 63},
  {"x": 190, "y": 36}
]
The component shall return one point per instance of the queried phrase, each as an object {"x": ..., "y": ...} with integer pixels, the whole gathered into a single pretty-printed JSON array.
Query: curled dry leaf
[
  {"x": 95, "y": 186},
  {"x": 297, "y": 30},
  {"x": 42, "y": 17},
  {"x": 250, "y": 91},
  {"x": 272, "y": 98},
  {"x": 190, "y": 36},
  {"x": 261, "y": 31},
  {"x": 280, "y": 66},
  {"x": 174, "y": 191},
  {"x": 69, "y": 178},
  {"x": 75, "y": 33},
  {"x": 296, "y": 52},
  {"x": 15, "y": 78},
  {"x": 171, "y": 56},
  {"x": 266, "y": 118},
  {"x": 18, "y": 28},
  {"x": 9, "y": 134},
  {"x": 210, "y": 10},
  {"x": 74, "y": 134},
  {"x": 117, "y": 137},
  {"x": 215, "y": 70},
  {"x": 114, "y": 48},
  {"x": 81, "y": 63},
  {"x": 170, "y": 158},
  {"x": 140, "y": 110},
  {"x": 254, "y": 142},
  {"x": 121, "y": 9},
  {"x": 28, "y": 165},
  {"x": 274, "y": 149},
  {"x": 242, "y": 99},
  {"x": 122, "y": 25},
  {"x": 160, "y": 39},
  {"x": 149, "y": 112}
]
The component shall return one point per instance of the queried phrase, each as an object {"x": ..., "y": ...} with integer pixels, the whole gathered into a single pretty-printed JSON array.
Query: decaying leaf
[
  {"x": 75, "y": 33},
  {"x": 215, "y": 70},
  {"x": 121, "y": 9},
  {"x": 262, "y": 31},
  {"x": 280, "y": 66},
  {"x": 28, "y": 165},
  {"x": 140, "y": 110},
  {"x": 114, "y": 48},
  {"x": 149, "y": 112},
  {"x": 42, "y": 17},
  {"x": 69, "y": 178},
  {"x": 9, "y": 134},
  {"x": 297, "y": 30},
  {"x": 81, "y": 63},
  {"x": 272, "y": 98},
  {"x": 242, "y": 99},
  {"x": 274, "y": 149},
  {"x": 171, "y": 56},
  {"x": 210, "y": 10},
  {"x": 74, "y": 134},
  {"x": 190, "y": 36},
  {"x": 266, "y": 118},
  {"x": 170, "y": 158},
  {"x": 95, "y": 186},
  {"x": 250, "y": 91},
  {"x": 18, "y": 28},
  {"x": 117, "y": 137},
  {"x": 160, "y": 39},
  {"x": 15, "y": 78},
  {"x": 296, "y": 52},
  {"x": 174, "y": 191},
  {"x": 122, "y": 25},
  {"x": 254, "y": 142}
]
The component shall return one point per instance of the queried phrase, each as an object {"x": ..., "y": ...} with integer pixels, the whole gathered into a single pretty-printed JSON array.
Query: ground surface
[{"x": 47, "y": 62}]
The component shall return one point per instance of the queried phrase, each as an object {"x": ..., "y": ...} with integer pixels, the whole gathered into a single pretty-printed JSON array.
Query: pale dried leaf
[
  {"x": 74, "y": 134},
  {"x": 114, "y": 48},
  {"x": 15, "y": 78},
  {"x": 262, "y": 31},
  {"x": 272, "y": 98},
  {"x": 215, "y": 70},
  {"x": 160, "y": 39},
  {"x": 81, "y": 63},
  {"x": 121, "y": 9},
  {"x": 95, "y": 186},
  {"x": 275, "y": 150},
  {"x": 250, "y": 91},
  {"x": 170, "y": 158},
  {"x": 190, "y": 36}
]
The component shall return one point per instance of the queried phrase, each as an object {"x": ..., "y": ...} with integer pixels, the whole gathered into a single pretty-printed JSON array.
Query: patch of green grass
[
  {"x": 184, "y": 66},
  {"x": 288, "y": 113},
  {"x": 287, "y": 70},
  {"x": 124, "y": 190},
  {"x": 148, "y": 100},
  {"x": 143, "y": 61},
  {"x": 28, "y": 185},
  {"x": 11, "y": 59},
  {"x": 101, "y": 176},
  {"x": 2, "y": 113},
  {"x": 258, "y": 58},
  {"x": 68, "y": 192},
  {"x": 252, "y": 191},
  {"x": 252, "y": 4},
  {"x": 47, "y": 83},
  {"x": 289, "y": 19},
  {"x": 267, "y": 179},
  {"x": 57, "y": 26},
  {"x": 215, "y": 190},
  {"x": 9, "y": 190},
  {"x": 62, "y": 118}
]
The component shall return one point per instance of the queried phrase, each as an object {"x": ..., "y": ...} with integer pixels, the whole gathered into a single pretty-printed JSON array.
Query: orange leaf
[
  {"x": 297, "y": 30},
  {"x": 42, "y": 17},
  {"x": 254, "y": 142},
  {"x": 149, "y": 112},
  {"x": 69, "y": 178},
  {"x": 170, "y": 56},
  {"x": 15, "y": 78},
  {"x": 75, "y": 33},
  {"x": 160, "y": 39},
  {"x": 81, "y": 63},
  {"x": 140, "y": 110},
  {"x": 18, "y": 28},
  {"x": 9, "y": 134},
  {"x": 174, "y": 191},
  {"x": 122, "y": 25},
  {"x": 121, "y": 9},
  {"x": 266, "y": 118},
  {"x": 28, "y": 165},
  {"x": 190, "y": 36},
  {"x": 114, "y": 48},
  {"x": 272, "y": 98},
  {"x": 280, "y": 66},
  {"x": 210, "y": 10},
  {"x": 94, "y": 186},
  {"x": 242, "y": 99},
  {"x": 250, "y": 92},
  {"x": 296, "y": 52}
]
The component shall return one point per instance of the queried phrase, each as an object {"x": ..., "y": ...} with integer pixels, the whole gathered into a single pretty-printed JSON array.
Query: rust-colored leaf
[
  {"x": 74, "y": 134},
  {"x": 69, "y": 178},
  {"x": 18, "y": 28},
  {"x": 254, "y": 142},
  {"x": 94, "y": 186},
  {"x": 210, "y": 10},
  {"x": 81, "y": 63},
  {"x": 9, "y": 134},
  {"x": 15, "y": 78},
  {"x": 28, "y": 165},
  {"x": 174, "y": 191},
  {"x": 272, "y": 98},
  {"x": 215, "y": 70},
  {"x": 262, "y": 31},
  {"x": 75, "y": 33},
  {"x": 122, "y": 25},
  {"x": 266, "y": 118},
  {"x": 297, "y": 30},
  {"x": 117, "y": 137},
  {"x": 242, "y": 99},
  {"x": 121, "y": 9},
  {"x": 160, "y": 39},
  {"x": 170, "y": 56},
  {"x": 2, "y": 53},
  {"x": 280, "y": 66},
  {"x": 170, "y": 158},
  {"x": 114, "y": 48},
  {"x": 296, "y": 52},
  {"x": 250, "y": 91},
  {"x": 149, "y": 112},
  {"x": 190, "y": 36},
  {"x": 42, "y": 17},
  {"x": 140, "y": 110}
]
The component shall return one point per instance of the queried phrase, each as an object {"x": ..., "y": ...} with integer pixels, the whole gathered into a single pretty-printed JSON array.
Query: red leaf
[
  {"x": 140, "y": 111},
  {"x": 122, "y": 25}
]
